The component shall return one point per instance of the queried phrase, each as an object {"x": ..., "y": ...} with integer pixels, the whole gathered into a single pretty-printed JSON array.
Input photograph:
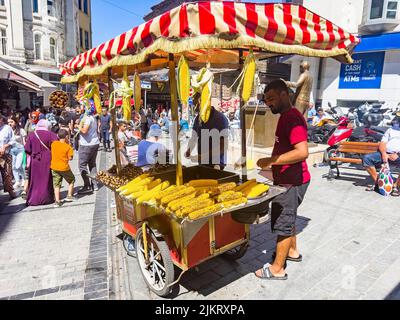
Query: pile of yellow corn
[{"x": 251, "y": 189}]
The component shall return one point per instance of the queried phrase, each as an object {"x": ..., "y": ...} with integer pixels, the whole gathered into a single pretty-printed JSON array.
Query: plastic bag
[{"x": 385, "y": 181}]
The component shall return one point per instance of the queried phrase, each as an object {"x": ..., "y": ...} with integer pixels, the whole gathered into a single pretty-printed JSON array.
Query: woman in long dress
[{"x": 38, "y": 146}]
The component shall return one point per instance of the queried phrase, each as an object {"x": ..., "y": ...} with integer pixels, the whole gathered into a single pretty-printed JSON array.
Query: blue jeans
[
  {"x": 375, "y": 160},
  {"x": 17, "y": 160},
  {"x": 105, "y": 135}
]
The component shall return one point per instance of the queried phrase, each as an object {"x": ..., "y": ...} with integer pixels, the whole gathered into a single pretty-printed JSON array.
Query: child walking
[{"x": 61, "y": 154}]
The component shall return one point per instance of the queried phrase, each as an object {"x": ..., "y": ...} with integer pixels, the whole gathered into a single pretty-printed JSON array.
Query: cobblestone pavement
[
  {"x": 49, "y": 254},
  {"x": 350, "y": 240}
]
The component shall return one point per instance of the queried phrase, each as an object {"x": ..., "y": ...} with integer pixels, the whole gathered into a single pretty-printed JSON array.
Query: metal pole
[
  {"x": 114, "y": 124},
  {"x": 175, "y": 119},
  {"x": 243, "y": 126}
]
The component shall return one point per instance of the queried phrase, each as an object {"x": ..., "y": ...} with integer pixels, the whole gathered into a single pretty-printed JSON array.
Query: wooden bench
[{"x": 350, "y": 152}]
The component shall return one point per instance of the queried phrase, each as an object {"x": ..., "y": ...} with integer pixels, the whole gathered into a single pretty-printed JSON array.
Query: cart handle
[{"x": 178, "y": 280}]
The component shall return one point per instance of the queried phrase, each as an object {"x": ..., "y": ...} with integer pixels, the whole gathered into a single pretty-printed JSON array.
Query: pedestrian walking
[
  {"x": 144, "y": 125},
  {"x": 38, "y": 147},
  {"x": 105, "y": 129},
  {"x": 31, "y": 123},
  {"x": 290, "y": 170},
  {"x": 18, "y": 153},
  {"x": 88, "y": 148},
  {"x": 61, "y": 154},
  {"x": 6, "y": 142}
]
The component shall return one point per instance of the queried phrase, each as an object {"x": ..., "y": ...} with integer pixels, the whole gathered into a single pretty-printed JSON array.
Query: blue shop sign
[{"x": 364, "y": 73}]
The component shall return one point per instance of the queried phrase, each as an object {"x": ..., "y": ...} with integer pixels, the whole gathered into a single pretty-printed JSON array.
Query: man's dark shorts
[
  {"x": 284, "y": 210},
  {"x": 58, "y": 177},
  {"x": 375, "y": 160}
]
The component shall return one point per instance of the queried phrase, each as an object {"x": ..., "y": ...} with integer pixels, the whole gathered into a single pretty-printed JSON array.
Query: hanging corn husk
[
  {"x": 202, "y": 84},
  {"x": 246, "y": 85},
  {"x": 138, "y": 92},
  {"x": 126, "y": 93},
  {"x": 96, "y": 97}
]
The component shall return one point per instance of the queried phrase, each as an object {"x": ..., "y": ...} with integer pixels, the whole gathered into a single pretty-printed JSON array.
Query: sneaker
[
  {"x": 24, "y": 196},
  {"x": 85, "y": 190},
  {"x": 95, "y": 188},
  {"x": 57, "y": 204},
  {"x": 71, "y": 199}
]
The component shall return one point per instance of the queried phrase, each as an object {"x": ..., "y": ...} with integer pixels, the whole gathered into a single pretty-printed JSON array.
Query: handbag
[{"x": 385, "y": 181}]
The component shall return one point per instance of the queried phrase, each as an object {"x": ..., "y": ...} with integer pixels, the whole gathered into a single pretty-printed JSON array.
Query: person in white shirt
[
  {"x": 7, "y": 140},
  {"x": 389, "y": 153},
  {"x": 319, "y": 117}
]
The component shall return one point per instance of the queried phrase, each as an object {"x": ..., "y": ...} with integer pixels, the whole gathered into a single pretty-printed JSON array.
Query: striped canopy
[{"x": 212, "y": 32}]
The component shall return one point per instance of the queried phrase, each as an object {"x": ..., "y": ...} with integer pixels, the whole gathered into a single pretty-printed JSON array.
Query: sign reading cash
[{"x": 364, "y": 73}]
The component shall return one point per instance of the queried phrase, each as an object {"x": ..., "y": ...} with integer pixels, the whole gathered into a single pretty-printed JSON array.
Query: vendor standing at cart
[
  {"x": 290, "y": 170},
  {"x": 216, "y": 131}
]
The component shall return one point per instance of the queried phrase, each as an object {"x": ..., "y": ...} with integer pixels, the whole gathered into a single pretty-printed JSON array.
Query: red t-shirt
[{"x": 292, "y": 129}]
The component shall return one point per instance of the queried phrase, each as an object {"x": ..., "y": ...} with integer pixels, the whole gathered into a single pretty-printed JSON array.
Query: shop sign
[
  {"x": 233, "y": 103},
  {"x": 146, "y": 85},
  {"x": 364, "y": 73}
]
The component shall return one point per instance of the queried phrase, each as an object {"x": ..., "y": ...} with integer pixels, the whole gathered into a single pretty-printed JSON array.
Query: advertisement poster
[{"x": 364, "y": 73}]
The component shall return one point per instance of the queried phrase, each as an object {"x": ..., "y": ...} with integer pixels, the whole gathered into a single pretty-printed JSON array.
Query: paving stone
[{"x": 96, "y": 295}]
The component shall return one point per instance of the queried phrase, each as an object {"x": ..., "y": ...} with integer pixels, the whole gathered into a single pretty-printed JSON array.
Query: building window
[
  {"x": 80, "y": 4},
  {"x": 50, "y": 8},
  {"x": 81, "y": 37},
  {"x": 391, "y": 12},
  {"x": 3, "y": 34},
  {"x": 87, "y": 44},
  {"x": 53, "y": 49},
  {"x": 85, "y": 6},
  {"x": 35, "y": 6},
  {"x": 2, "y": 3},
  {"x": 376, "y": 9},
  {"x": 38, "y": 47}
]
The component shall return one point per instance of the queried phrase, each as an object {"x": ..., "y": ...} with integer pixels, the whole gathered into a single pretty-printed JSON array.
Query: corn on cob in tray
[{"x": 196, "y": 200}]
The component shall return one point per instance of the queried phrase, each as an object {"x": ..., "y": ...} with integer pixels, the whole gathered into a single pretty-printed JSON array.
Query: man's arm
[
  {"x": 299, "y": 154},
  {"x": 383, "y": 151}
]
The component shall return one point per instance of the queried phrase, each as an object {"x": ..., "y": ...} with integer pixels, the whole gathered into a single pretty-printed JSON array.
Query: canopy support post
[
  {"x": 243, "y": 126},
  {"x": 175, "y": 120},
  {"x": 114, "y": 124}
]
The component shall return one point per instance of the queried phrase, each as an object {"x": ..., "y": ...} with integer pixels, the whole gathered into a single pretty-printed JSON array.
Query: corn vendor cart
[{"x": 217, "y": 34}]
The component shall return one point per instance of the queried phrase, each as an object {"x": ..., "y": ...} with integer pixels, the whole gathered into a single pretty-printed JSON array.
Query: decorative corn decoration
[
  {"x": 202, "y": 83},
  {"x": 138, "y": 91},
  {"x": 202, "y": 183},
  {"x": 126, "y": 92},
  {"x": 96, "y": 97},
  {"x": 248, "y": 77},
  {"x": 183, "y": 81}
]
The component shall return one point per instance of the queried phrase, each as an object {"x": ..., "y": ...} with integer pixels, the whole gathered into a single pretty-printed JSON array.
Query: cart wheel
[
  {"x": 129, "y": 245},
  {"x": 237, "y": 253},
  {"x": 159, "y": 271}
]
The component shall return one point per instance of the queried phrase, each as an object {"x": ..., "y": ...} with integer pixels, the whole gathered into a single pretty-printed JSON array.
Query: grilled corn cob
[
  {"x": 166, "y": 192},
  {"x": 198, "y": 205},
  {"x": 137, "y": 186},
  {"x": 133, "y": 182},
  {"x": 202, "y": 183},
  {"x": 154, "y": 184},
  {"x": 226, "y": 187},
  {"x": 136, "y": 195},
  {"x": 245, "y": 185},
  {"x": 206, "y": 211},
  {"x": 234, "y": 203},
  {"x": 177, "y": 204},
  {"x": 229, "y": 196},
  {"x": 150, "y": 193},
  {"x": 183, "y": 81},
  {"x": 180, "y": 194},
  {"x": 257, "y": 191}
]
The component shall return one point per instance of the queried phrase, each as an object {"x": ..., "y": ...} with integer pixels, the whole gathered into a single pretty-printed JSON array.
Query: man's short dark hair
[
  {"x": 277, "y": 85},
  {"x": 62, "y": 134}
]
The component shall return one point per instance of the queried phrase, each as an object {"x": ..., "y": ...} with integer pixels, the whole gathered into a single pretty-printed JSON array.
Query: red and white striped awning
[{"x": 211, "y": 31}]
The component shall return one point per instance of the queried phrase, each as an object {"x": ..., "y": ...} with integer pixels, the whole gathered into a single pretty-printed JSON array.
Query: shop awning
[
  {"x": 213, "y": 31},
  {"x": 379, "y": 42},
  {"x": 4, "y": 74}
]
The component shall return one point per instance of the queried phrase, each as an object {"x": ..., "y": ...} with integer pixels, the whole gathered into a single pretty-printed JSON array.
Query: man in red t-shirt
[{"x": 290, "y": 170}]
